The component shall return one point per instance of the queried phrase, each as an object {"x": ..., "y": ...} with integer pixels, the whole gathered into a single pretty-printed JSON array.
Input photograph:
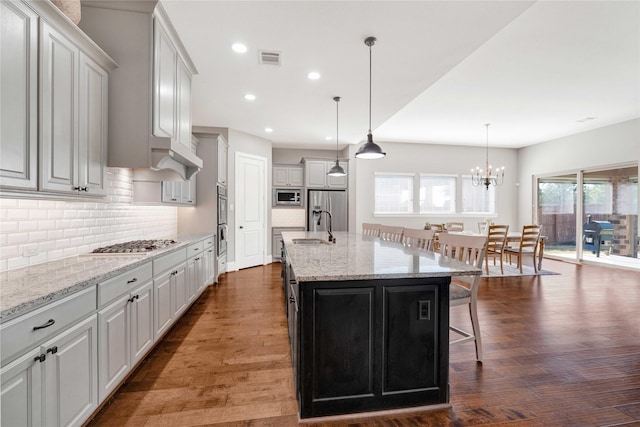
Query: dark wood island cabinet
[{"x": 368, "y": 323}]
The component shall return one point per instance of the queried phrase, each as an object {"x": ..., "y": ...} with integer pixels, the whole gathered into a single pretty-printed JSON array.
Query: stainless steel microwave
[{"x": 287, "y": 197}]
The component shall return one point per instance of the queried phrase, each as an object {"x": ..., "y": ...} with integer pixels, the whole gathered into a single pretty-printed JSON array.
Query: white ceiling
[{"x": 441, "y": 69}]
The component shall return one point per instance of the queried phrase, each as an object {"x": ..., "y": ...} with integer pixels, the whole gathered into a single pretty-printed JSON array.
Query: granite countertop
[
  {"x": 28, "y": 288},
  {"x": 357, "y": 257}
]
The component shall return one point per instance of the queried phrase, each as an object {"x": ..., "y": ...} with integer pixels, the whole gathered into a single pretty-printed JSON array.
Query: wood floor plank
[{"x": 559, "y": 350}]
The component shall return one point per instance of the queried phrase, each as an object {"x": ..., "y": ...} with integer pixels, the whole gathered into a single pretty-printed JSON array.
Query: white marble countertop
[
  {"x": 358, "y": 257},
  {"x": 25, "y": 289}
]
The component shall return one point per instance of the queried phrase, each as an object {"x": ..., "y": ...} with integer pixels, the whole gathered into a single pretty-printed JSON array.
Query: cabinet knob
[{"x": 40, "y": 358}]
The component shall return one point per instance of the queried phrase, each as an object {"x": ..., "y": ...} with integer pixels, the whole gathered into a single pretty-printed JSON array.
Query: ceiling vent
[{"x": 269, "y": 57}]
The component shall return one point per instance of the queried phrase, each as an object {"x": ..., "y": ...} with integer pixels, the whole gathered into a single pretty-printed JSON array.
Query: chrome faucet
[{"x": 319, "y": 213}]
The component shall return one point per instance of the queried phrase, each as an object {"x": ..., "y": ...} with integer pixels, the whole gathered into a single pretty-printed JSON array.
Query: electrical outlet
[{"x": 29, "y": 250}]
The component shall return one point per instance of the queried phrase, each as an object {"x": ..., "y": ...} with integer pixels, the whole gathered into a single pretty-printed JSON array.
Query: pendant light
[
  {"x": 370, "y": 150},
  {"x": 336, "y": 170},
  {"x": 486, "y": 177}
]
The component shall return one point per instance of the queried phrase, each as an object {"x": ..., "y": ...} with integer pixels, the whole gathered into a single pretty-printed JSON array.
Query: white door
[{"x": 251, "y": 181}]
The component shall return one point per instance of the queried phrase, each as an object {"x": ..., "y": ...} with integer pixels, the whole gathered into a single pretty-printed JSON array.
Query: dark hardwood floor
[{"x": 559, "y": 350}]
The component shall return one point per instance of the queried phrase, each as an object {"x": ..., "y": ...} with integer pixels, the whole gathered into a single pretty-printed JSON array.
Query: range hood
[{"x": 141, "y": 134}]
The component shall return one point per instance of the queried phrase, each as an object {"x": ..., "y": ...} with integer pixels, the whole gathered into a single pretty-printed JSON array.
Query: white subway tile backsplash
[{"x": 64, "y": 228}]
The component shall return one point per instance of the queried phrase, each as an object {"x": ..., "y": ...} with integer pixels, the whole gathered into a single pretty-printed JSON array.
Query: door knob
[{"x": 241, "y": 227}]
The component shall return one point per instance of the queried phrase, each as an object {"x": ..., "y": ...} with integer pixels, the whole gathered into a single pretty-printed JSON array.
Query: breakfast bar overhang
[{"x": 368, "y": 323}]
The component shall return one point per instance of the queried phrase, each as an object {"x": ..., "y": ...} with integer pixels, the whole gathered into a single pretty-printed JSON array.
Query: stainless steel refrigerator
[{"x": 334, "y": 201}]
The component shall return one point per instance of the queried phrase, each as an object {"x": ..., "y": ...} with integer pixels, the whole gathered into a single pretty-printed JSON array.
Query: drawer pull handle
[
  {"x": 134, "y": 280},
  {"x": 52, "y": 350},
  {"x": 133, "y": 298},
  {"x": 50, "y": 322},
  {"x": 196, "y": 249},
  {"x": 40, "y": 358},
  {"x": 197, "y": 259}
]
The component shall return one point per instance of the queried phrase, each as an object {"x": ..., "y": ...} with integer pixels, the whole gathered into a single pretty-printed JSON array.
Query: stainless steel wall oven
[{"x": 222, "y": 220}]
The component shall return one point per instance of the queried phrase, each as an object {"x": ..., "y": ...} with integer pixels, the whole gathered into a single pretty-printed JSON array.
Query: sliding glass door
[{"x": 591, "y": 215}]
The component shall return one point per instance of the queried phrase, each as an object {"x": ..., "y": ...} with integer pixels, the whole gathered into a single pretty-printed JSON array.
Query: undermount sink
[{"x": 310, "y": 242}]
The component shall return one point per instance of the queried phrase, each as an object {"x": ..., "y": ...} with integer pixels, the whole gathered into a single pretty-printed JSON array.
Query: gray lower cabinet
[
  {"x": 50, "y": 364},
  {"x": 125, "y": 324}
]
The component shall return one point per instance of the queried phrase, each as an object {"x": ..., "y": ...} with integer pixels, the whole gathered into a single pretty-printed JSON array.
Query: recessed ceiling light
[
  {"x": 250, "y": 97},
  {"x": 268, "y": 130},
  {"x": 313, "y": 75},
  {"x": 239, "y": 47},
  {"x": 328, "y": 138}
]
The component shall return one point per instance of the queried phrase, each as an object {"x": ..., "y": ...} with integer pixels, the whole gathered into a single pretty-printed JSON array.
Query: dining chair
[
  {"x": 391, "y": 233},
  {"x": 528, "y": 245},
  {"x": 482, "y": 227},
  {"x": 464, "y": 289},
  {"x": 419, "y": 239},
  {"x": 454, "y": 226},
  {"x": 372, "y": 230},
  {"x": 496, "y": 242}
]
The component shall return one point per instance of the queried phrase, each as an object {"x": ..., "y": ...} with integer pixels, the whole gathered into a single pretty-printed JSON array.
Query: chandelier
[{"x": 487, "y": 177}]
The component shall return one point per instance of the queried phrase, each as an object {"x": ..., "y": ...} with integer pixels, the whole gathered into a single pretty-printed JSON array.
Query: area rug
[{"x": 513, "y": 271}]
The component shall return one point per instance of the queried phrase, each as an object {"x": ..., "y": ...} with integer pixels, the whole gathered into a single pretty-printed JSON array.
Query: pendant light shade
[
  {"x": 336, "y": 170},
  {"x": 370, "y": 150}
]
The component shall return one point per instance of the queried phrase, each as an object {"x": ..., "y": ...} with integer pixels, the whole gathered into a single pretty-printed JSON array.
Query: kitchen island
[{"x": 368, "y": 323}]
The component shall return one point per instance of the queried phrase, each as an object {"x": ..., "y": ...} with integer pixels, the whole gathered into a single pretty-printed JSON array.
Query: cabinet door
[
  {"x": 188, "y": 191},
  {"x": 192, "y": 278},
  {"x": 276, "y": 244},
  {"x": 222, "y": 162},
  {"x": 171, "y": 191},
  {"x": 71, "y": 375},
  {"x": 92, "y": 146},
  {"x": 179, "y": 289},
  {"x": 315, "y": 173},
  {"x": 162, "y": 301},
  {"x": 19, "y": 102},
  {"x": 113, "y": 330},
  {"x": 20, "y": 391},
  {"x": 296, "y": 177},
  {"x": 184, "y": 105},
  {"x": 337, "y": 181},
  {"x": 209, "y": 262},
  {"x": 141, "y": 315},
  {"x": 280, "y": 176},
  {"x": 164, "y": 83},
  {"x": 58, "y": 111}
]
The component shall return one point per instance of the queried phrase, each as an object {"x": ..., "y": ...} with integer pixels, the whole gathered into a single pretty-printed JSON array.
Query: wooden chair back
[
  {"x": 369, "y": 229},
  {"x": 530, "y": 238},
  {"x": 497, "y": 238},
  {"x": 391, "y": 233},
  {"x": 455, "y": 226},
  {"x": 467, "y": 249},
  {"x": 419, "y": 239},
  {"x": 436, "y": 227}
]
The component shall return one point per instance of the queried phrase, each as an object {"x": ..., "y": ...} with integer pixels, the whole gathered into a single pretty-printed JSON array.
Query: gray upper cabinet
[
  {"x": 223, "y": 149},
  {"x": 60, "y": 120},
  {"x": 150, "y": 93},
  {"x": 288, "y": 176},
  {"x": 315, "y": 174},
  {"x": 19, "y": 88}
]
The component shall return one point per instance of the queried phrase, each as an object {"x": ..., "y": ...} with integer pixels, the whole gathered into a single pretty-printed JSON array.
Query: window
[
  {"x": 477, "y": 199},
  {"x": 393, "y": 193},
  {"x": 437, "y": 194}
]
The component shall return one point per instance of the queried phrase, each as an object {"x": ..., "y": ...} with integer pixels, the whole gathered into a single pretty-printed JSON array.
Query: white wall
[
  {"x": 608, "y": 146},
  {"x": 428, "y": 158},
  {"x": 61, "y": 229}
]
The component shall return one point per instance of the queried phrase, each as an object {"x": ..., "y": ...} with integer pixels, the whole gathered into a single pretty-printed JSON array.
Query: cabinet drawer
[
  {"x": 168, "y": 261},
  {"x": 209, "y": 241},
  {"x": 123, "y": 283},
  {"x": 195, "y": 249},
  {"x": 18, "y": 335}
]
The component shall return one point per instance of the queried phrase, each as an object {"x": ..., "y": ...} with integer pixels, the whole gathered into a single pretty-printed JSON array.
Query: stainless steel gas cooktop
[{"x": 135, "y": 247}]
